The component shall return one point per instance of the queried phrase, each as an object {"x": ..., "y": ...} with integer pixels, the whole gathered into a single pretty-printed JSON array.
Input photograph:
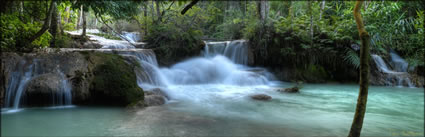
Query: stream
[{"x": 227, "y": 110}]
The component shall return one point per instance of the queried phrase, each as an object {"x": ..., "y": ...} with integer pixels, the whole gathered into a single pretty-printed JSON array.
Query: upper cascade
[{"x": 237, "y": 50}]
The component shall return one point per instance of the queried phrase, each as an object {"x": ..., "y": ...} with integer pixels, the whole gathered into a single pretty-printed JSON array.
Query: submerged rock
[
  {"x": 152, "y": 97},
  {"x": 292, "y": 90},
  {"x": 154, "y": 100},
  {"x": 263, "y": 97}
]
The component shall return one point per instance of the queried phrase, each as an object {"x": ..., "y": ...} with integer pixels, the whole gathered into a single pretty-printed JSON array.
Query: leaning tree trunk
[
  {"x": 84, "y": 24},
  {"x": 356, "y": 127},
  {"x": 46, "y": 24}
]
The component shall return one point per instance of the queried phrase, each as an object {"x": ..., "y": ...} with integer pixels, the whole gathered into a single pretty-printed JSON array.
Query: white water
[
  {"x": 399, "y": 73},
  {"x": 17, "y": 84},
  {"x": 398, "y": 63},
  {"x": 132, "y": 36},
  {"x": 23, "y": 74},
  {"x": 106, "y": 43},
  {"x": 236, "y": 51},
  {"x": 212, "y": 68}
]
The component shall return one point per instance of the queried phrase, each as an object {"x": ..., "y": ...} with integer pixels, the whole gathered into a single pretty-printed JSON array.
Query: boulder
[
  {"x": 292, "y": 90},
  {"x": 157, "y": 91},
  {"x": 289, "y": 90},
  {"x": 44, "y": 84},
  {"x": 95, "y": 77},
  {"x": 154, "y": 100},
  {"x": 262, "y": 97},
  {"x": 114, "y": 81},
  {"x": 42, "y": 88}
]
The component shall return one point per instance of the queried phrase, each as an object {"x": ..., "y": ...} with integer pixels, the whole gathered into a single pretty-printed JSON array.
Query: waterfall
[
  {"x": 398, "y": 63},
  {"x": 222, "y": 63},
  {"x": 132, "y": 36},
  {"x": 236, "y": 51},
  {"x": 17, "y": 84},
  {"x": 65, "y": 96},
  {"x": 396, "y": 77},
  {"x": 381, "y": 64},
  {"x": 25, "y": 72}
]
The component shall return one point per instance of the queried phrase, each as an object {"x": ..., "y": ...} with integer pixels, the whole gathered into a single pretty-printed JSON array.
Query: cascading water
[
  {"x": 18, "y": 81},
  {"x": 132, "y": 36},
  {"x": 106, "y": 43},
  {"x": 217, "y": 66},
  {"x": 396, "y": 77},
  {"x": 398, "y": 63},
  {"x": 236, "y": 51},
  {"x": 17, "y": 86}
]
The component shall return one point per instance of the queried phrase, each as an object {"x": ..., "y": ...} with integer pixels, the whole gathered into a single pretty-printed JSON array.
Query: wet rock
[
  {"x": 290, "y": 90},
  {"x": 157, "y": 91},
  {"x": 114, "y": 79},
  {"x": 262, "y": 97},
  {"x": 41, "y": 89},
  {"x": 154, "y": 100},
  {"x": 45, "y": 83}
]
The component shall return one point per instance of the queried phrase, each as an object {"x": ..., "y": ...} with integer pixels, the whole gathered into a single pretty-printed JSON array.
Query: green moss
[{"x": 114, "y": 80}]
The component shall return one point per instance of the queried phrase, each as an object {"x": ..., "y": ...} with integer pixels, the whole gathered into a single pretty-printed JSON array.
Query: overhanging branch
[{"x": 191, "y": 4}]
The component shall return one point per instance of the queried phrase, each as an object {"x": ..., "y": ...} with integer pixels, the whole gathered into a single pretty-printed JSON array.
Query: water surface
[{"x": 227, "y": 110}]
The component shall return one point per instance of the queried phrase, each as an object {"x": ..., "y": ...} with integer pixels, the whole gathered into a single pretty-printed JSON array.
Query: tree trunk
[
  {"x": 153, "y": 13},
  {"x": 21, "y": 10},
  {"x": 262, "y": 10},
  {"x": 46, "y": 24},
  {"x": 290, "y": 15},
  {"x": 322, "y": 7},
  {"x": 84, "y": 24},
  {"x": 158, "y": 11},
  {"x": 79, "y": 17},
  {"x": 311, "y": 22},
  {"x": 66, "y": 16},
  {"x": 54, "y": 26},
  {"x": 145, "y": 14},
  {"x": 60, "y": 23},
  {"x": 357, "y": 124}
]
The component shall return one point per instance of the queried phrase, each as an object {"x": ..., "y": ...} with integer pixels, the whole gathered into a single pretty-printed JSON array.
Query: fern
[{"x": 352, "y": 58}]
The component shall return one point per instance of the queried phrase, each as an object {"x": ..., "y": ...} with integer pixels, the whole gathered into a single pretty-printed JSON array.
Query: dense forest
[
  {"x": 163, "y": 50},
  {"x": 295, "y": 33}
]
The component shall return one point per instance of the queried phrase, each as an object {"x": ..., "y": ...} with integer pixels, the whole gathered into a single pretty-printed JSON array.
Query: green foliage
[
  {"x": 63, "y": 41},
  {"x": 15, "y": 33},
  {"x": 352, "y": 58}
]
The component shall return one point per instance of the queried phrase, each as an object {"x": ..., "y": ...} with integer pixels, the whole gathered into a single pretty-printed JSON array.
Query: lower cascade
[{"x": 25, "y": 82}]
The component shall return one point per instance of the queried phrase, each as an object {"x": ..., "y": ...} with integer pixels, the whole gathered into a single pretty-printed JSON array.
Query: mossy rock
[{"x": 114, "y": 80}]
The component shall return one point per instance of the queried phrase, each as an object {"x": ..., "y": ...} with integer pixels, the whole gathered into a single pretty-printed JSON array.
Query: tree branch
[
  {"x": 119, "y": 34},
  {"x": 191, "y": 4},
  {"x": 46, "y": 24}
]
